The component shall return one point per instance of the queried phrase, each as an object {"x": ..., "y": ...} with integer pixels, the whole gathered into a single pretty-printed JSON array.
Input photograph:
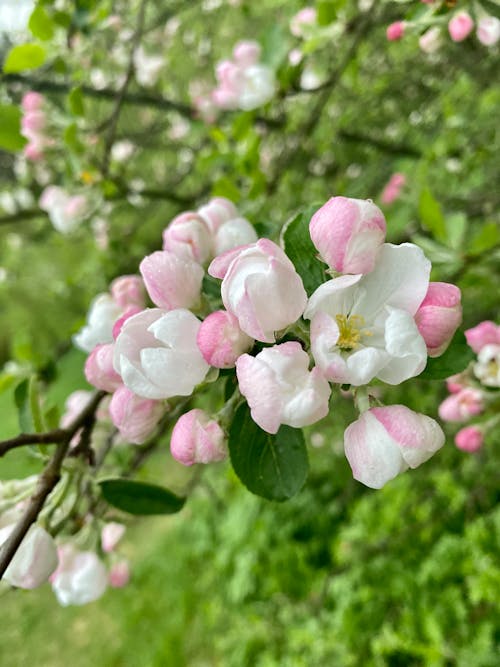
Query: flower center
[{"x": 350, "y": 331}]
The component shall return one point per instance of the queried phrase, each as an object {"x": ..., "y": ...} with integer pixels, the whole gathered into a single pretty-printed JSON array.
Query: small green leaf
[
  {"x": 23, "y": 57},
  {"x": 140, "y": 498},
  {"x": 40, "y": 24},
  {"x": 22, "y": 401},
  {"x": 486, "y": 238},
  {"x": 326, "y": 11},
  {"x": 225, "y": 187},
  {"x": 10, "y": 128},
  {"x": 456, "y": 359},
  {"x": 456, "y": 224},
  {"x": 431, "y": 216},
  {"x": 272, "y": 466},
  {"x": 300, "y": 249},
  {"x": 34, "y": 399},
  {"x": 75, "y": 102}
]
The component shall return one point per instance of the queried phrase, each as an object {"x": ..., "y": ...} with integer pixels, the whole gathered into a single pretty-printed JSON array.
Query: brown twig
[{"x": 47, "y": 480}]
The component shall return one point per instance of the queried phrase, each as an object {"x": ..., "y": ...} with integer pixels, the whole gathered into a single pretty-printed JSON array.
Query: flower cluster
[
  {"x": 65, "y": 211},
  {"x": 242, "y": 82},
  {"x": 473, "y": 392}
]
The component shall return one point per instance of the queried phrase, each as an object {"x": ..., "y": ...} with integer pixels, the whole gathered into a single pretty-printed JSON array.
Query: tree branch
[{"x": 46, "y": 482}]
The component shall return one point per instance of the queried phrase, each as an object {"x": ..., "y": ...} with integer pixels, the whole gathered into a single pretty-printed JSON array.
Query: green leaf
[
  {"x": 272, "y": 466},
  {"x": 10, "y": 128},
  {"x": 40, "y": 24},
  {"x": 487, "y": 237},
  {"x": 225, "y": 187},
  {"x": 456, "y": 359},
  {"x": 140, "y": 497},
  {"x": 23, "y": 57},
  {"x": 75, "y": 102},
  {"x": 71, "y": 139},
  {"x": 431, "y": 216},
  {"x": 326, "y": 11},
  {"x": 275, "y": 44},
  {"x": 300, "y": 249},
  {"x": 22, "y": 401},
  {"x": 456, "y": 224}
]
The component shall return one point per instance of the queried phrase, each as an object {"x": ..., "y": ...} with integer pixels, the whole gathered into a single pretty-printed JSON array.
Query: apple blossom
[
  {"x": 128, "y": 291},
  {"x": 127, "y": 314},
  {"x": 227, "y": 227},
  {"x": 260, "y": 287},
  {"x": 487, "y": 367},
  {"x": 157, "y": 356},
  {"x": 188, "y": 237},
  {"x": 259, "y": 86},
  {"x": 461, "y": 405},
  {"x": 147, "y": 68},
  {"x": 119, "y": 574},
  {"x": 363, "y": 327},
  {"x": 300, "y": 23},
  {"x": 395, "y": 31},
  {"x": 488, "y": 30},
  {"x": 280, "y": 389},
  {"x": 460, "y": 26},
  {"x": 455, "y": 383},
  {"x": 32, "y": 101},
  {"x": 439, "y": 316},
  {"x": 392, "y": 190},
  {"x": 246, "y": 53},
  {"x": 197, "y": 439},
  {"x": 218, "y": 211},
  {"x": 171, "y": 281},
  {"x": 99, "y": 371},
  {"x": 348, "y": 234},
  {"x": 103, "y": 313},
  {"x": 111, "y": 534},
  {"x": 135, "y": 417},
  {"x": 35, "y": 559},
  {"x": 221, "y": 341},
  {"x": 122, "y": 151},
  {"x": 385, "y": 442},
  {"x": 430, "y": 41},
  {"x": 75, "y": 404},
  {"x": 80, "y": 577},
  {"x": 484, "y": 333},
  {"x": 469, "y": 439}
]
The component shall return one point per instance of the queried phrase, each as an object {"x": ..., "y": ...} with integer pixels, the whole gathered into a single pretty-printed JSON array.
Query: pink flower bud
[
  {"x": 454, "y": 384},
  {"x": 392, "y": 190},
  {"x": 280, "y": 389},
  {"x": 461, "y": 406},
  {"x": 218, "y": 211},
  {"x": 430, "y": 41},
  {"x": 260, "y": 287},
  {"x": 221, "y": 341},
  {"x": 128, "y": 291},
  {"x": 99, "y": 370},
  {"x": 246, "y": 53},
  {"x": 75, "y": 404},
  {"x": 80, "y": 577},
  {"x": 395, "y": 31},
  {"x": 234, "y": 233},
  {"x": 187, "y": 236},
  {"x": 469, "y": 439},
  {"x": 76, "y": 206},
  {"x": 32, "y": 101},
  {"x": 171, "y": 281},
  {"x": 439, "y": 316},
  {"x": 386, "y": 441},
  {"x": 488, "y": 30},
  {"x": 304, "y": 18},
  {"x": 130, "y": 312},
  {"x": 348, "y": 234},
  {"x": 484, "y": 333},
  {"x": 460, "y": 26},
  {"x": 119, "y": 574},
  {"x": 35, "y": 559},
  {"x": 33, "y": 152},
  {"x": 136, "y": 418},
  {"x": 111, "y": 534},
  {"x": 33, "y": 121},
  {"x": 197, "y": 439}
]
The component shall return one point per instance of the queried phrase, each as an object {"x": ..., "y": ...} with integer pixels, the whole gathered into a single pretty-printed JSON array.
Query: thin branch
[
  {"x": 112, "y": 123},
  {"x": 48, "y": 438},
  {"x": 19, "y": 216},
  {"x": 46, "y": 483}
]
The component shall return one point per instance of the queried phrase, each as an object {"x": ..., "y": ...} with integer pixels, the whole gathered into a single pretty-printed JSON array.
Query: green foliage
[
  {"x": 40, "y": 24},
  {"x": 10, "y": 128},
  {"x": 26, "y": 397},
  {"x": 24, "y": 57},
  {"x": 300, "y": 249},
  {"x": 272, "y": 466},
  {"x": 456, "y": 359},
  {"x": 139, "y": 497}
]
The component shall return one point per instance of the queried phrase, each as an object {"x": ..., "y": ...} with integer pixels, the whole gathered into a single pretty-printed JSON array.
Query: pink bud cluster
[
  {"x": 471, "y": 391},
  {"x": 460, "y": 26},
  {"x": 65, "y": 211},
  {"x": 34, "y": 126}
]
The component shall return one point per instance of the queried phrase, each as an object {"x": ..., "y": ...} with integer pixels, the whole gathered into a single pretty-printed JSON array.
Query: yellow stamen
[{"x": 350, "y": 331}]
